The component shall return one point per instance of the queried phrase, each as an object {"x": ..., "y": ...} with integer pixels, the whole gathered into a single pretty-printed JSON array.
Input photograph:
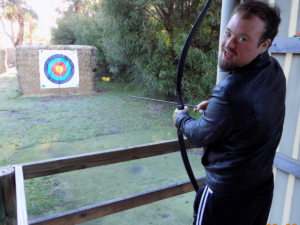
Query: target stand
[{"x": 56, "y": 70}]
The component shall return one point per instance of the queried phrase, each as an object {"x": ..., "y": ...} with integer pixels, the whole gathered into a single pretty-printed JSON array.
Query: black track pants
[{"x": 211, "y": 208}]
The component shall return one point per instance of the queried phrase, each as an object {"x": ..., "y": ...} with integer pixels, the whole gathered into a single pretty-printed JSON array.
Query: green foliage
[
  {"x": 10, "y": 11},
  {"x": 29, "y": 14},
  {"x": 63, "y": 34},
  {"x": 17, "y": 11},
  {"x": 81, "y": 25},
  {"x": 141, "y": 42}
]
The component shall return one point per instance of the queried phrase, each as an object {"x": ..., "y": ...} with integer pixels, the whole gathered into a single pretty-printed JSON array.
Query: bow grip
[{"x": 180, "y": 107}]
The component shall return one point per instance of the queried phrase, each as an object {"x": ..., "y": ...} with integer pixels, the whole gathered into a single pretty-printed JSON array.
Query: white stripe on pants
[{"x": 202, "y": 204}]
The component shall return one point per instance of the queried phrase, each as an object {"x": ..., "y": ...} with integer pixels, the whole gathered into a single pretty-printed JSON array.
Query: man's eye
[
  {"x": 227, "y": 33},
  {"x": 242, "y": 39}
]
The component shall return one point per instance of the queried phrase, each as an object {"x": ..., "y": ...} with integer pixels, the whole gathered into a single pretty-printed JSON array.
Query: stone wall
[
  {"x": 3, "y": 60},
  {"x": 27, "y": 65}
]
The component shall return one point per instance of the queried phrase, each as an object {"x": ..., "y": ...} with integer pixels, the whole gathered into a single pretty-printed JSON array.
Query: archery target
[{"x": 58, "y": 69}]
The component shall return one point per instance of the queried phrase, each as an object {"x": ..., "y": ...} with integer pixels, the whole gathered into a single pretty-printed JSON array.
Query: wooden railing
[
  {"x": 12, "y": 179},
  {"x": 13, "y": 192}
]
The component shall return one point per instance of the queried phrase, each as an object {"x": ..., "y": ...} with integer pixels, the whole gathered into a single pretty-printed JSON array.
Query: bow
[{"x": 179, "y": 99}]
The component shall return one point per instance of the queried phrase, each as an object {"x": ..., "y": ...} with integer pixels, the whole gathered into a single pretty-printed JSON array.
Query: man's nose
[{"x": 230, "y": 43}]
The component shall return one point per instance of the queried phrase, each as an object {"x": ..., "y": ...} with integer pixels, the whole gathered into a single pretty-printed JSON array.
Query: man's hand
[
  {"x": 201, "y": 105},
  {"x": 178, "y": 112}
]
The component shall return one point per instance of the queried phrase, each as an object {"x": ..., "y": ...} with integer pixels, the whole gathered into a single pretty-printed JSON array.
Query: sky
[
  {"x": 47, "y": 17},
  {"x": 46, "y": 11}
]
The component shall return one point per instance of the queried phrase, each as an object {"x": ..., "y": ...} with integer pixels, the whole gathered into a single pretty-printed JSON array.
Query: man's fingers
[
  {"x": 203, "y": 104},
  {"x": 177, "y": 112},
  {"x": 201, "y": 107},
  {"x": 186, "y": 108}
]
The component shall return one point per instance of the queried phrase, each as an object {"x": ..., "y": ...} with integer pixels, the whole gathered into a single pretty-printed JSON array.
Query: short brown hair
[{"x": 269, "y": 14}]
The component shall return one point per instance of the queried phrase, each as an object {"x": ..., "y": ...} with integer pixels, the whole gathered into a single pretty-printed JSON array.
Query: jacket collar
[{"x": 261, "y": 60}]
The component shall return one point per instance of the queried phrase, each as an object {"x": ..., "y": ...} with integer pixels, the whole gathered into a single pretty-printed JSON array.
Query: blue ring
[
  {"x": 59, "y": 58},
  {"x": 57, "y": 77}
]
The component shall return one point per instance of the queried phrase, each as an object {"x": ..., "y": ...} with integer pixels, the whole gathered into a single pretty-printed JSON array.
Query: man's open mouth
[{"x": 228, "y": 55}]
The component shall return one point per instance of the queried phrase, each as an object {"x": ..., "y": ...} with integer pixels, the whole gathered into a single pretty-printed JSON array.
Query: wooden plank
[
  {"x": 287, "y": 164},
  {"x": 285, "y": 45},
  {"x": 2, "y": 209},
  {"x": 21, "y": 198},
  {"x": 8, "y": 189},
  {"x": 84, "y": 161},
  {"x": 117, "y": 205}
]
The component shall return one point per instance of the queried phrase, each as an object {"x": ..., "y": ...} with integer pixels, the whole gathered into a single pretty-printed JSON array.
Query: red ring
[{"x": 56, "y": 65}]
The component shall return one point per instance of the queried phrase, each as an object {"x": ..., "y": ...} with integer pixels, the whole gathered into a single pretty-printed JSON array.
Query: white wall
[{"x": 286, "y": 201}]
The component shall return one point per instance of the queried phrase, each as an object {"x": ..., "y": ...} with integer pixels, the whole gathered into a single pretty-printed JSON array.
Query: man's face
[{"x": 240, "y": 42}]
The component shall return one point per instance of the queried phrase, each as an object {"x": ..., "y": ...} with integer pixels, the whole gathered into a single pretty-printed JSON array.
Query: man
[{"x": 242, "y": 125}]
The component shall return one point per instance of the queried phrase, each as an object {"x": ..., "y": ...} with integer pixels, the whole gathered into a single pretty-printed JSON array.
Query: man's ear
[{"x": 265, "y": 45}]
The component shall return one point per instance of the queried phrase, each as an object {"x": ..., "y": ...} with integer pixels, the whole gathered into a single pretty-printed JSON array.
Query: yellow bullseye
[{"x": 59, "y": 69}]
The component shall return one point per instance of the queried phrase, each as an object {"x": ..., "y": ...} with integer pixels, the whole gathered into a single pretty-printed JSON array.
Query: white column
[{"x": 227, "y": 9}]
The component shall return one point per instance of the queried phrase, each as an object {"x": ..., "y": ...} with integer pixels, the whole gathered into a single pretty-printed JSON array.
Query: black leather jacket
[{"x": 241, "y": 127}]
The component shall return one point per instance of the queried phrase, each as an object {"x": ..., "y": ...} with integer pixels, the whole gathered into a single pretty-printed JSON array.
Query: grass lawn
[{"x": 48, "y": 127}]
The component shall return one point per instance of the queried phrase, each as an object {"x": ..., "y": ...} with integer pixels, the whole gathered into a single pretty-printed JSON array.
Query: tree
[
  {"x": 147, "y": 36},
  {"x": 81, "y": 24},
  {"x": 141, "y": 41},
  {"x": 63, "y": 34},
  {"x": 15, "y": 11},
  {"x": 75, "y": 6},
  {"x": 31, "y": 17}
]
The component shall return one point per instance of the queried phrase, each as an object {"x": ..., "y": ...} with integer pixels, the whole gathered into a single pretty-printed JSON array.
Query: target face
[{"x": 59, "y": 69}]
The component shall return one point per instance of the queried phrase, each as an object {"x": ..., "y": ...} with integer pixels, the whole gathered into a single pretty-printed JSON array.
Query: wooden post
[
  {"x": 8, "y": 194},
  {"x": 22, "y": 217},
  {"x": 2, "y": 210}
]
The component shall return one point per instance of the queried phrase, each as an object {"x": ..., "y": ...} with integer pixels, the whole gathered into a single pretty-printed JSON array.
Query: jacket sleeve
[{"x": 215, "y": 124}]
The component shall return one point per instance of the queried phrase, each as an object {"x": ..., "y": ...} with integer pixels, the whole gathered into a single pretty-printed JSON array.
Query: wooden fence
[{"x": 13, "y": 191}]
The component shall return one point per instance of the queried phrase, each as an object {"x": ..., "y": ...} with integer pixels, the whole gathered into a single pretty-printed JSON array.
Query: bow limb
[{"x": 178, "y": 90}]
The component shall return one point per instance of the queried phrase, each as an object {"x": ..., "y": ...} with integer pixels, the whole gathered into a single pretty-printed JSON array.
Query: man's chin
[{"x": 227, "y": 66}]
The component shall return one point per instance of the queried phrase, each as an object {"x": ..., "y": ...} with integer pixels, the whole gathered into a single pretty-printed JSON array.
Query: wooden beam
[
  {"x": 117, "y": 205},
  {"x": 84, "y": 161},
  {"x": 8, "y": 192},
  {"x": 2, "y": 209},
  {"x": 287, "y": 164},
  {"x": 285, "y": 45},
  {"x": 21, "y": 198}
]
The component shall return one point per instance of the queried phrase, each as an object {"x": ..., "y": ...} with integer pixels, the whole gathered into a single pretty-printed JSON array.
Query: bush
[{"x": 141, "y": 42}]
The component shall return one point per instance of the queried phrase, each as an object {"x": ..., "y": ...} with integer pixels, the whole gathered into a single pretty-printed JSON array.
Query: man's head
[{"x": 250, "y": 32}]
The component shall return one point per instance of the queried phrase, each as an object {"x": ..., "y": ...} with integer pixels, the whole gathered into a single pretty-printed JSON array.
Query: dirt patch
[
  {"x": 38, "y": 121},
  {"x": 38, "y": 106},
  {"x": 60, "y": 98},
  {"x": 14, "y": 113},
  {"x": 104, "y": 91},
  {"x": 137, "y": 169}
]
